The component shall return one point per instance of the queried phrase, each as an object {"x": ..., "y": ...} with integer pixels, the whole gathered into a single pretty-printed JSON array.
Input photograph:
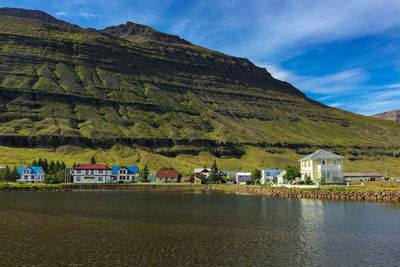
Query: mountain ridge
[
  {"x": 393, "y": 115},
  {"x": 34, "y": 15}
]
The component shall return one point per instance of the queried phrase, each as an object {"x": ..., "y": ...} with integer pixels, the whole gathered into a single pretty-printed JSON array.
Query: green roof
[{"x": 322, "y": 154}]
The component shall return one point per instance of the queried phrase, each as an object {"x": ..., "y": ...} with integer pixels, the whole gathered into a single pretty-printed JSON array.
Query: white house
[
  {"x": 362, "y": 177},
  {"x": 322, "y": 164},
  {"x": 30, "y": 174},
  {"x": 270, "y": 176},
  {"x": 125, "y": 174},
  {"x": 204, "y": 171},
  {"x": 91, "y": 174},
  {"x": 280, "y": 178}
]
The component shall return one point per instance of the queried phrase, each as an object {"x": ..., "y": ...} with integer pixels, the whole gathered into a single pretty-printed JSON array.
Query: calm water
[{"x": 156, "y": 228}]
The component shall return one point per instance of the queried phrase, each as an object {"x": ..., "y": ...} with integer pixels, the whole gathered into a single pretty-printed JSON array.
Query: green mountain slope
[{"x": 156, "y": 96}]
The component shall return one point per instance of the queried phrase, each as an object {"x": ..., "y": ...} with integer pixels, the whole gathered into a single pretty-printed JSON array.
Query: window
[
  {"x": 323, "y": 162},
  {"x": 334, "y": 161},
  {"x": 78, "y": 171},
  {"x": 32, "y": 177},
  {"x": 100, "y": 179},
  {"x": 100, "y": 171},
  {"x": 87, "y": 172},
  {"x": 26, "y": 177},
  {"x": 92, "y": 172},
  {"x": 78, "y": 179}
]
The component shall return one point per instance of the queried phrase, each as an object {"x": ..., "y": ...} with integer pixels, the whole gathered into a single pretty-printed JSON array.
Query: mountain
[
  {"x": 131, "y": 93},
  {"x": 32, "y": 14},
  {"x": 393, "y": 115}
]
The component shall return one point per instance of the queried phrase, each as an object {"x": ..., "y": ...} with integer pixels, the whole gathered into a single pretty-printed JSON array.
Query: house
[
  {"x": 167, "y": 176},
  {"x": 203, "y": 171},
  {"x": 197, "y": 180},
  {"x": 366, "y": 177},
  {"x": 281, "y": 178},
  {"x": 92, "y": 174},
  {"x": 125, "y": 174},
  {"x": 270, "y": 176},
  {"x": 242, "y": 177},
  {"x": 30, "y": 174},
  {"x": 152, "y": 177},
  {"x": 322, "y": 164}
]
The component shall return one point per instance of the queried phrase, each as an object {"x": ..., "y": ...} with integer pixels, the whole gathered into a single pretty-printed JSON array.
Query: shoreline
[{"x": 341, "y": 193}]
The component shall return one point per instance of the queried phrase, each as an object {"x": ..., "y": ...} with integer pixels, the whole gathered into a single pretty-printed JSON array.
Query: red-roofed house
[
  {"x": 167, "y": 176},
  {"x": 92, "y": 174}
]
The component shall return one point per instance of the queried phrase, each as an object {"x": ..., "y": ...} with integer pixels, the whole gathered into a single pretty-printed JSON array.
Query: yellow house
[
  {"x": 322, "y": 164},
  {"x": 197, "y": 180}
]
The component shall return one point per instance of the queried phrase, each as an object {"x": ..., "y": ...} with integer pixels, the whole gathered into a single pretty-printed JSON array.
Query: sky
[{"x": 343, "y": 53}]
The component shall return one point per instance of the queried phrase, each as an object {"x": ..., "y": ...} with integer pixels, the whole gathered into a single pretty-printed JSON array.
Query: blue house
[
  {"x": 30, "y": 174},
  {"x": 125, "y": 174},
  {"x": 270, "y": 176}
]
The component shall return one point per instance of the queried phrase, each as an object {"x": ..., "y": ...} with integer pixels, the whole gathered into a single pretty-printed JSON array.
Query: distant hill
[
  {"x": 32, "y": 14},
  {"x": 393, "y": 115},
  {"x": 132, "y": 92}
]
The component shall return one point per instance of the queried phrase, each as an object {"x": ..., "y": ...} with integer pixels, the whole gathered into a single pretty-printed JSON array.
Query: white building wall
[
  {"x": 29, "y": 177},
  {"x": 89, "y": 177}
]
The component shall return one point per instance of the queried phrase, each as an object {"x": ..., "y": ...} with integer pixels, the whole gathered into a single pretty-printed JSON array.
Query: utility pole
[{"x": 386, "y": 169}]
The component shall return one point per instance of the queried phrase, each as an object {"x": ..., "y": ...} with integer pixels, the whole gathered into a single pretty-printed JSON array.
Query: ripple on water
[{"x": 175, "y": 228}]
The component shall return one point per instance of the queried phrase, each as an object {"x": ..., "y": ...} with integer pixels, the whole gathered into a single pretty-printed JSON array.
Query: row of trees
[
  {"x": 8, "y": 174},
  {"x": 54, "y": 172}
]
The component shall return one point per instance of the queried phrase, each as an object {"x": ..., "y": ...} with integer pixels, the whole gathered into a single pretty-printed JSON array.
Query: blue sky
[{"x": 343, "y": 53}]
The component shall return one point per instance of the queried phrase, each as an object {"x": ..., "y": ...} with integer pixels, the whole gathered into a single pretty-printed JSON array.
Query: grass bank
[{"x": 29, "y": 187}]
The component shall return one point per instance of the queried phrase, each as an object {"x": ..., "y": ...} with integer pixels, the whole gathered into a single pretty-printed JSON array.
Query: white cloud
[
  {"x": 86, "y": 14},
  {"x": 81, "y": 13},
  {"x": 328, "y": 85},
  {"x": 61, "y": 14}
]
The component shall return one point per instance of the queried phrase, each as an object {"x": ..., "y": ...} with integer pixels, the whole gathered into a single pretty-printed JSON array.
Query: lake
[{"x": 193, "y": 228}]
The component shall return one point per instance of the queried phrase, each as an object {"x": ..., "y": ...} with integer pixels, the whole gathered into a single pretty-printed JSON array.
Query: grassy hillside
[{"x": 130, "y": 93}]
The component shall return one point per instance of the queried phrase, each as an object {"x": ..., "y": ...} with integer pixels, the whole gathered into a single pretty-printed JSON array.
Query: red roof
[
  {"x": 92, "y": 167},
  {"x": 167, "y": 174}
]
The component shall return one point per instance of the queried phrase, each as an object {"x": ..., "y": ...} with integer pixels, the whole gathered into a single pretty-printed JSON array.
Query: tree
[
  {"x": 180, "y": 177},
  {"x": 202, "y": 178},
  {"x": 214, "y": 174},
  {"x": 144, "y": 174},
  {"x": 191, "y": 179},
  {"x": 93, "y": 160},
  {"x": 74, "y": 165},
  {"x": 45, "y": 166},
  {"x": 255, "y": 175},
  {"x": 292, "y": 172},
  {"x": 63, "y": 166},
  {"x": 40, "y": 163},
  {"x": 34, "y": 163},
  {"x": 52, "y": 168},
  {"x": 308, "y": 180},
  {"x": 58, "y": 166}
]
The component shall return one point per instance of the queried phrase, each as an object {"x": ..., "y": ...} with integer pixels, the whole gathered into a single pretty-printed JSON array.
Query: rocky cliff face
[
  {"x": 140, "y": 33},
  {"x": 393, "y": 115},
  {"x": 130, "y": 84}
]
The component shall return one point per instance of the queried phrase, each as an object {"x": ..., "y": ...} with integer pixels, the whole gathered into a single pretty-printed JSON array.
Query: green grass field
[{"x": 124, "y": 155}]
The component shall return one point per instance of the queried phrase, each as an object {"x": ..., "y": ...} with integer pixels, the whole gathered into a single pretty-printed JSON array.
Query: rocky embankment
[
  {"x": 359, "y": 195},
  {"x": 354, "y": 195}
]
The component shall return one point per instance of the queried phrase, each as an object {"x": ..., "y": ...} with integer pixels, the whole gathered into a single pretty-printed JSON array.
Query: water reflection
[{"x": 177, "y": 228}]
